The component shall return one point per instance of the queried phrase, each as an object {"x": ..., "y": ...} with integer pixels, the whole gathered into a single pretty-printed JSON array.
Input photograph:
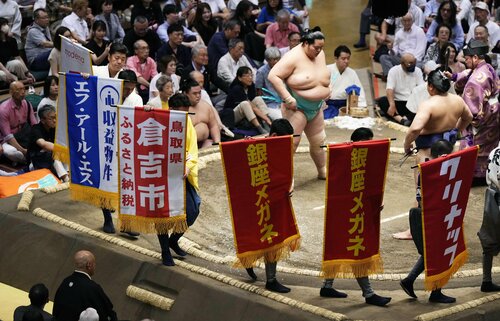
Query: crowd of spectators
[
  {"x": 219, "y": 55},
  {"x": 164, "y": 43},
  {"x": 216, "y": 38},
  {"x": 431, "y": 35}
]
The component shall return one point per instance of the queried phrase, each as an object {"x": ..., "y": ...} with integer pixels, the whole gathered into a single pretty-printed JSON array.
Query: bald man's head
[
  {"x": 17, "y": 91},
  {"x": 85, "y": 262},
  {"x": 198, "y": 77},
  {"x": 408, "y": 62}
]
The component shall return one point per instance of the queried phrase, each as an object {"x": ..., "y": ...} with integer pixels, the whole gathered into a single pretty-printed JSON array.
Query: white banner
[{"x": 75, "y": 58}]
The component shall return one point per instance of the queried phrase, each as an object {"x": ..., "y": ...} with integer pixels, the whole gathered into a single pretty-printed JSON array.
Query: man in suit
[{"x": 78, "y": 292}]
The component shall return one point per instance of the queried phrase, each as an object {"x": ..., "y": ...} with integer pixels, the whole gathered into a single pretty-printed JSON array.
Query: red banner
[
  {"x": 354, "y": 195},
  {"x": 152, "y": 164},
  {"x": 446, "y": 183},
  {"x": 258, "y": 179}
]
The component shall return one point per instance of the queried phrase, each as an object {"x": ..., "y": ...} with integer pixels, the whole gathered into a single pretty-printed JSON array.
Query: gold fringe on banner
[
  {"x": 94, "y": 196},
  {"x": 273, "y": 254},
  {"x": 61, "y": 153},
  {"x": 349, "y": 269},
  {"x": 435, "y": 282},
  {"x": 152, "y": 225}
]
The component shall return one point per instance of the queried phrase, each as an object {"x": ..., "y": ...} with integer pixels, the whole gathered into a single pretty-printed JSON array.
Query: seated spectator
[
  {"x": 411, "y": 39},
  {"x": 16, "y": 118},
  {"x": 447, "y": 14},
  {"x": 39, "y": 296},
  {"x": 482, "y": 14},
  {"x": 167, "y": 65},
  {"x": 269, "y": 12},
  {"x": 150, "y": 10},
  {"x": 432, "y": 55},
  {"x": 12, "y": 66},
  {"x": 400, "y": 82},
  {"x": 98, "y": 45},
  {"x": 76, "y": 22},
  {"x": 114, "y": 29},
  {"x": 42, "y": 143},
  {"x": 293, "y": 40},
  {"x": 117, "y": 58},
  {"x": 390, "y": 26},
  {"x": 229, "y": 63},
  {"x": 277, "y": 32},
  {"x": 165, "y": 91},
  {"x": 453, "y": 63},
  {"x": 2, "y": 172},
  {"x": 140, "y": 31},
  {"x": 481, "y": 33},
  {"x": 202, "y": 117},
  {"x": 9, "y": 10},
  {"x": 254, "y": 40},
  {"x": 172, "y": 17},
  {"x": 50, "y": 92},
  {"x": 244, "y": 103},
  {"x": 263, "y": 86},
  {"x": 301, "y": 12},
  {"x": 342, "y": 77},
  {"x": 431, "y": 11},
  {"x": 58, "y": 9},
  {"x": 78, "y": 292},
  {"x": 218, "y": 45},
  {"x": 143, "y": 66},
  {"x": 232, "y": 4},
  {"x": 175, "y": 47},
  {"x": 184, "y": 8},
  {"x": 55, "y": 53},
  {"x": 199, "y": 62},
  {"x": 219, "y": 9},
  {"x": 204, "y": 23},
  {"x": 39, "y": 42},
  {"x": 130, "y": 96}
]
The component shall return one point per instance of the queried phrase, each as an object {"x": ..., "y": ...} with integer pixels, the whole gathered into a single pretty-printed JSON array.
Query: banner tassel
[
  {"x": 94, "y": 196},
  {"x": 435, "y": 282},
  {"x": 272, "y": 254},
  {"x": 349, "y": 269},
  {"x": 150, "y": 225},
  {"x": 60, "y": 153}
]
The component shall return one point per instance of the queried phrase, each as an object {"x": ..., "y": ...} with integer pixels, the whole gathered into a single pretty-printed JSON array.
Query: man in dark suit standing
[{"x": 78, "y": 292}]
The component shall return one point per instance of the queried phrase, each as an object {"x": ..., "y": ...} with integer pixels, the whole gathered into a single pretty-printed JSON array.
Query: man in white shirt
[
  {"x": 411, "y": 39},
  {"x": 130, "y": 95},
  {"x": 117, "y": 58},
  {"x": 418, "y": 19},
  {"x": 9, "y": 10},
  {"x": 482, "y": 13},
  {"x": 400, "y": 82},
  {"x": 76, "y": 23},
  {"x": 342, "y": 76},
  {"x": 234, "y": 59}
]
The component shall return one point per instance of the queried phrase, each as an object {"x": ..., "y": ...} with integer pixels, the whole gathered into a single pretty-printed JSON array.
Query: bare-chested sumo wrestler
[{"x": 302, "y": 81}]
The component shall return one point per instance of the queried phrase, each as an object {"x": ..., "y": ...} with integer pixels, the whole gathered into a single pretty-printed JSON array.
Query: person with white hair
[
  {"x": 89, "y": 314},
  {"x": 411, "y": 39},
  {"x": 264, "y": 87}
]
